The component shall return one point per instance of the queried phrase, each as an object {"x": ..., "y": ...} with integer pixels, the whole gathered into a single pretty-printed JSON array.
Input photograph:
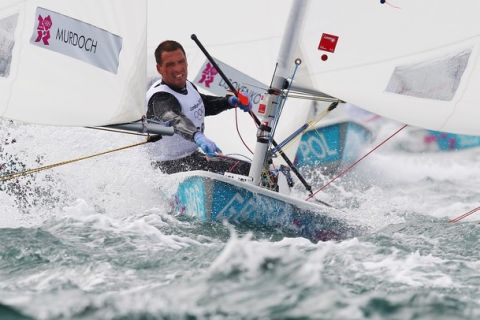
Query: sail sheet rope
[
  {"x": 239, "y": 134},
  {"x": 58, "y": 164},
  {"x": 355, "y": 163},
  {"x": 463, "y": 216}
]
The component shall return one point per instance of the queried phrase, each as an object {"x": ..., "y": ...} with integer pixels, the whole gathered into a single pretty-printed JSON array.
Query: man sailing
[{"x": 175, "y": 101}]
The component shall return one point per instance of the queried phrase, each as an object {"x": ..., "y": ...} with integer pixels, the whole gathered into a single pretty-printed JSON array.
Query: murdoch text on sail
[{"x": 80, "y": 41}]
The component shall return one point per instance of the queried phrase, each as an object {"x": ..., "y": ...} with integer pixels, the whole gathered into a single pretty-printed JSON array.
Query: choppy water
[{"x": 95, "y": 240}]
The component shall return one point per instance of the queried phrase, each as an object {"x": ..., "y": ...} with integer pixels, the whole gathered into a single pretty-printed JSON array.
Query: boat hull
[
  {"x": 421, "y": 140},
  {"x": 211, "y": 197},
  {"x": 332, "y": 146}
]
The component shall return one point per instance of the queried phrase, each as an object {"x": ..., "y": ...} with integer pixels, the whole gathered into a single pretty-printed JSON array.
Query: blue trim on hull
[
  {"x": 331, "y": 146},
  {"x": 212, "y": 200}
]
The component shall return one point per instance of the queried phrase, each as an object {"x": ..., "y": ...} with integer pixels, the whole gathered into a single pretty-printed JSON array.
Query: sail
[
  {"x": 72, "y": 63},
  {"x": 409, "y": 60}
]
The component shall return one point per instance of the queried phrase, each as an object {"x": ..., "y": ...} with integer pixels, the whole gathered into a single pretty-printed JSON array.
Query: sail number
[{"x": 315, "y": 147}]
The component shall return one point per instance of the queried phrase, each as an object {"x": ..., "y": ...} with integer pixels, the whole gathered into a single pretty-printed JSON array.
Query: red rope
[
  {"x": 355, "y": 163},
  {"x": 233, "y": 166},
  {"x": 238, "y": 131},
  {"x": 463, "y": 216}
]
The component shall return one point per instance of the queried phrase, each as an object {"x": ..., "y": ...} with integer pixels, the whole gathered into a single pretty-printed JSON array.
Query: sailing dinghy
[
  {"x": 423, "y": 140},
  {"x": 256, "y": 200},
  {"x": 82, "y": 63}
]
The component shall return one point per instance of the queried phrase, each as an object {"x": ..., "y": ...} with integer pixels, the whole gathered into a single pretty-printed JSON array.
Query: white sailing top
[{"x": 176, "y": 147}]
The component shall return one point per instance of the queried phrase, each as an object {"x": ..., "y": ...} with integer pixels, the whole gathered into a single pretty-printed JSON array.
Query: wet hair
[{"x": 167, "y": 46}]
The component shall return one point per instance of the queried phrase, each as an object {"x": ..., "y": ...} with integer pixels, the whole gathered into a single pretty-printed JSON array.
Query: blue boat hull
[
  {"x": 332, "y": 146},
  {"x": 214, "y": 198},
  {"x": 422, "y": 140}
]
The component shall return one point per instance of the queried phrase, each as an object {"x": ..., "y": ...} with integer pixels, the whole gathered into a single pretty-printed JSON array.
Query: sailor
[{"x": 174, "y": 101}]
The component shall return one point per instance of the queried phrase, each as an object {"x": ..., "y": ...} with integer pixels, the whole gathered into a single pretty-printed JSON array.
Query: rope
[
  {"x": 238, "y": 132},
  {"x": 463, "y": 216},
  {"x": 310, "y": 125},
  {"x": 355, "y": 163},
  {"x": 35, "y": 170},
  {"x": 118, "y": 131}
]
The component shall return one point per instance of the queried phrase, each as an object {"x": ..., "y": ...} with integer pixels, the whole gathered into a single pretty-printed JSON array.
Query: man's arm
[
  {"x": 214, "y": 105},
  {"x": 165, "y": 107}
]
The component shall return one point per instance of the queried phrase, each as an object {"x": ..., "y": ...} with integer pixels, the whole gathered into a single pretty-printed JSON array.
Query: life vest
[{"x": 176, "y": 146}]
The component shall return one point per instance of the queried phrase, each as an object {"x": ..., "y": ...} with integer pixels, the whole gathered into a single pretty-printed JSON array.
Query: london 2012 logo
[
  {"x": 208, "y": 75},
  {"x": 43, "y": 29}
]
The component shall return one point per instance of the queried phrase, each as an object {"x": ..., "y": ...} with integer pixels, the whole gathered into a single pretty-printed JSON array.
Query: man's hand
[
  {"x": 207, "y": 145},
  {"x": 243, "y": 103}
]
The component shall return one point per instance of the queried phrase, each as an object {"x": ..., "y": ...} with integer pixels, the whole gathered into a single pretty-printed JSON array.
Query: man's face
[{"x": 173, "y": 68}]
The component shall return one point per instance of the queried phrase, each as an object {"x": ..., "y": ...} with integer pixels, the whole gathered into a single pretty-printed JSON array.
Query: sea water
[{"x": 96, "y": 239}]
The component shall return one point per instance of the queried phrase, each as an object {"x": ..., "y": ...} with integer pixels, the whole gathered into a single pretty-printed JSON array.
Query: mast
[{"x": 274, "y": 98}]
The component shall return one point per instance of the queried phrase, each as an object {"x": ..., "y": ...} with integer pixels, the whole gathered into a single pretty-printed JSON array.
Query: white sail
[
  {"x": 413, "y": 61},
  {"x": 72, "y": 63}
]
